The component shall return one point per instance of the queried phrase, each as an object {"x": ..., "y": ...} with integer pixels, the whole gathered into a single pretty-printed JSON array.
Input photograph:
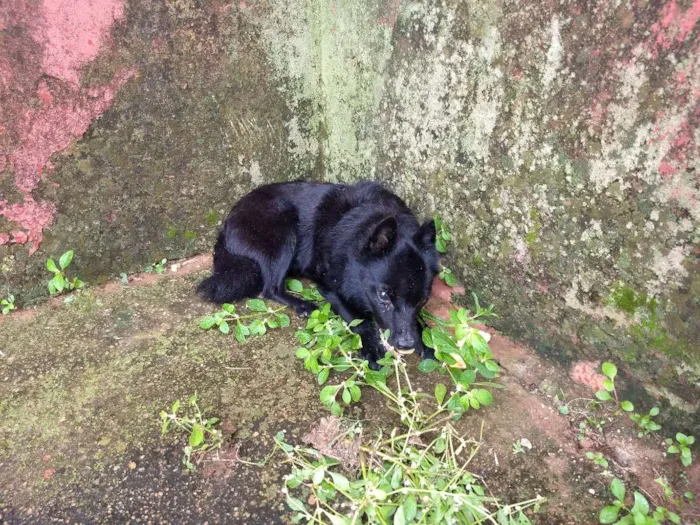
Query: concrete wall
[{"x": 558, "y": 139}]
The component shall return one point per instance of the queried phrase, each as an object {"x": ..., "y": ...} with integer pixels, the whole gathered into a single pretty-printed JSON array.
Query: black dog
[{"x": 360, "y": 244}]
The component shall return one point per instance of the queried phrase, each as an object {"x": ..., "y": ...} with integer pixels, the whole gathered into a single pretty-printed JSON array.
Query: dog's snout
[{"x": 404, "y": 342}]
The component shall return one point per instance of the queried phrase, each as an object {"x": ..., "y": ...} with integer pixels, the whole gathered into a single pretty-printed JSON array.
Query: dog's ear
[
  {"x": 425, "y": 236},
  {"x": 382, "y": 236}
]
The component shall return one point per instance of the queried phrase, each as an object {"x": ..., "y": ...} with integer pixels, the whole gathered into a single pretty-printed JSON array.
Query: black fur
[{"x": 360, "y": 244}]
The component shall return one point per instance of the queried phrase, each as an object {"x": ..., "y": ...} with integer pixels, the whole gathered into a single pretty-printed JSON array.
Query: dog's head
[{"x": 399, "y": 276}]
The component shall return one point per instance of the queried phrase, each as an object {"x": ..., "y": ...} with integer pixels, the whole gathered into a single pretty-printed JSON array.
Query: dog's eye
[{"x": 383, "y": 295}]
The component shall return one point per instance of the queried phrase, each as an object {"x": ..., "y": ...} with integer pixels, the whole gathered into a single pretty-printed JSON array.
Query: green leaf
[
  {"x": 336, "y": 410},
  {"x": 228, "y": 307},
  {"x": 673, "y": 449},
  {"x": 564, "y": 410},
  {"x": 603, "y": 395},
  {"x": 207, "y": 322},
  {"x": 294, "y": 285},
  {"x": 440, "y": 391},
  {"x": 627, "y": 406},
  {"x": 256, "y": 305},
  {"x": 283, "y": 320},
  {"x": 428, "y": 365},
  {"x": 340, "y": 481},
  {"x": 654, "y": 412},
  {"x": 641, "y": 505},
  {"x": 440, "y": 245},
  {"x": 609, "y": 514},
  {"x": 347, "y": 398},
  {"x": 617, "y": 488},
  {"x": 610, "y": 370},
  {"x": 224, "y": 327},
  {"x": 450, "y": 279},
  {"x": 355, "y": 322},
  {"x": 51, "y": 266},
  {"x": 356, "y": 393},
  {"x": 686, "y": 457},
  {"x": 608, "y": 385},
  {"x": 410, "y": 508},
  {"x": 196, "y": 436},
  {"x": 302, "y": 353},
  {"x": 483, "y": 396},
  {"x": 328, "y": 394},
  {"x": 65, "y": 259},
  {"x": 295, "y": 504},
  {"x": 318, "y": 476},
  {"x": 400, "y": 516},
  {"x": 682, "y": 438},
  {"x": 323, "y": 375}
]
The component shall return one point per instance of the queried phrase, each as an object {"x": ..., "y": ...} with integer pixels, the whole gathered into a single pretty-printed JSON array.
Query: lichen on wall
[
  {"x": 560, "y": 143},
  {"x": 330, "y": 57}
]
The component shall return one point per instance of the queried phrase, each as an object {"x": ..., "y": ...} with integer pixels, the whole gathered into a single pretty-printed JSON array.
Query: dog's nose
[{"x": 404, "y": 342}]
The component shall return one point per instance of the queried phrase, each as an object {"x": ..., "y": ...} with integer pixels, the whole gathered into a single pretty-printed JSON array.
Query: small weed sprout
[
  {"x": 645, "y": 423},
  {"x": 157, "y": 267},
  {"x": 202, "y": 435},
  {"x": 447, "y": 276},
  {"x": 7, "y": 304},
  {"x": 682, "y": 447},
  {"x": 60, "y": 282},
  {"x": 598, "y": 459},
  {"x": 442, "y": 236},
  {"x": 124, "y": 278},
  {"x": 610, "y": 371},
  {"x": 618, "y": 512}
]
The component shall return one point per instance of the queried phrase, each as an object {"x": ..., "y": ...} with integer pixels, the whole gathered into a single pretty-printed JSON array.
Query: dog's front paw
[
  {"x": 305, "y": 308},
  {"x": 371, "y": 356},
  {"x": 424, "y": 352}
]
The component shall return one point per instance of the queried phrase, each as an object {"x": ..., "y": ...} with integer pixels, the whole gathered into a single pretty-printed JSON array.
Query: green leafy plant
[
  {"x": 645, "y": 423},
  {"x": 400, "y": 482},
  {"x": 60, "y": 282},
  {"x": 682, "y": 447},
  {"x": 309, "y": 293},
  {"x": 518, "y": 448},
  {"x": 123, "y": 278},
  {"x": 462, "y": 353},
  {"x": 442, "y": 236},
  {"x": 257, "y": 322},
  {"x": 203, "y": 436},
  {"x": 157, "y": 267},
  {"x": 639, "y": 513},
  {"x": 7, "y": 304},
  {"x": 447, "y": 276},
  {"x": 608, "y": 392},
  {"x": 598, "y": 459}
]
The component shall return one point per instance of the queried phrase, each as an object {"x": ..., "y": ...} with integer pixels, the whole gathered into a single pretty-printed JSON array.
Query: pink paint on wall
[
  {"x": 54, "y": 127},
  {"x": 44, "y": 108},
  {"x": 72, "y": 32},
  {"x": 674, "y": 26},
  {"x": 32, "y": 217}
]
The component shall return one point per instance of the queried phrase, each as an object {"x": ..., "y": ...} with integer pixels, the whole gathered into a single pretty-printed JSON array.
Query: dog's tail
[{"x": 234, "y": 276}]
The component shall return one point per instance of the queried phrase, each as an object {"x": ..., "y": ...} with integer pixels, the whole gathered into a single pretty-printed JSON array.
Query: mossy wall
[{"x": 558, "y": 140}]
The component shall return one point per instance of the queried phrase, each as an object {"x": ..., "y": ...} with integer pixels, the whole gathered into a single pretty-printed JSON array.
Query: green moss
[
  {"x": 212, "y": 218},
  {"x": 628, "y": 301},
  {"x": 534, "y": 233}
]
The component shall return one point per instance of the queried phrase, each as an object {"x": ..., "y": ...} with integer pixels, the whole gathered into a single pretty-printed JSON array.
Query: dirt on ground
[{"x": 84, "y": 378}]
